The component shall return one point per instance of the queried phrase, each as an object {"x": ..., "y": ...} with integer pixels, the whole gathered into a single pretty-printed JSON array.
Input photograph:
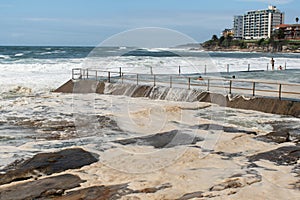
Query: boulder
[
  {"x": 287, "y": 155},
  {"x": 162, "y": 140},
  {"x": 48, "y": 163},
  {"x": 47, "y": 187}
]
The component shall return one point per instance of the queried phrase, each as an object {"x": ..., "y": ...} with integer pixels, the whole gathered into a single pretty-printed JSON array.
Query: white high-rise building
[
  {"x": 257, "y": 24},
  {"x": 260, "y": 23},
  {"x": 238, "y": 26}
]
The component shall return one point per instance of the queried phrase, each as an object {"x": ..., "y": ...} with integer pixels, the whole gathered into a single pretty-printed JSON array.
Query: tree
[
  {"x": 229, "y": 38},
  {"x": 221, "y": 40},
  {"x": 226, "y": 41},
  {"x": 214, "y": 38},
  {"x": 297, "y": 20},
  {"x": 242, "y": 44},
  {"x": 279, "y": 34},
  {"x": 260, "y": 42}
]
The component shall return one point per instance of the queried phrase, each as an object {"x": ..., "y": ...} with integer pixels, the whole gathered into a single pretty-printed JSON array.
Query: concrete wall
[{"x": 263, "y": 104}]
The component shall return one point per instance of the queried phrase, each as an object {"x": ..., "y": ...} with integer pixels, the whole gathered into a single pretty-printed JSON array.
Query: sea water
[{"x": 34, "y": 120}]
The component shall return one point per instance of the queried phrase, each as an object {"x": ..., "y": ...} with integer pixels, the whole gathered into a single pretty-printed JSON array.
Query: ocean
[
  {"x": 45, "y": 68},
  {"x": 34, "y": 120}
]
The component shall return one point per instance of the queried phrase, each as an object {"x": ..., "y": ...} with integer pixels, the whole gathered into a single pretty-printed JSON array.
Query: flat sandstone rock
[
  {"x": 48, "y": 163},
  {"x": 40, "y": 189}
]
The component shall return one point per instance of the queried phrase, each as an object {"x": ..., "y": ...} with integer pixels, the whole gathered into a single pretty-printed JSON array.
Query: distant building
[
  {"x": 289, "y": 31},
  {"x": 238, "y": 22},
  {"x": 228, "y": 32},
  {"x": 257, "y": 24}
]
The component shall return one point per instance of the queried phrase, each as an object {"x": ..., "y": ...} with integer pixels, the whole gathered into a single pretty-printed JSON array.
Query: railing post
[
  {"x": 268, "y": 67},
  {"x": 108, "y": 78},
  {"x": 230, "y": 86},
  {"x": 83, "y": 74},
  {"x": 205, "y": 69},
  {"x": 248, "y": 67},
  {"x": 208, "y": 81},
  {"x": 170, "y": 81},
  {"x": 227, "y": 68},
  {"x": 189, "y": 85},
  {"x": 122, "y": 77},
  {"x": 72, "y": 74},
  {"x": 280, "y": 91},
  {"x": 253, "y": 89},
  {"x": 137, "y": 79},
  {"x": 285, "y": 66},
  {"x": 87, "y": 73},
  {"x": 154, "y": 80},
  {"x": 96, "y": 75},
  {"x": 120, "y": 71}
]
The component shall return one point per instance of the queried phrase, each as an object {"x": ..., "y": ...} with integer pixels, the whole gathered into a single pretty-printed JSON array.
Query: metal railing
[{"x": 215, "y": 84}]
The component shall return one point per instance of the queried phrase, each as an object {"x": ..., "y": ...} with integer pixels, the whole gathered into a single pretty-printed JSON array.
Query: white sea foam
[
  {"x": 4, "y": 57},
  {"x": 19, "y": 54},
  {"x": 39, "y": 75},
  {"x": 136, "y": 115},
  {"x": 46, "y": 53},
  {"x": 47, "y": 74}
]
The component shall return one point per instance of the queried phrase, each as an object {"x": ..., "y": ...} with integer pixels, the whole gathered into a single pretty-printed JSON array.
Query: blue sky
[{"x": 89, "y": 22}]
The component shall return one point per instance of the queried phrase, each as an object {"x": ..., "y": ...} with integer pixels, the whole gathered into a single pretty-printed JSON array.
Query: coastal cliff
[{"x": 262, "y": 45}]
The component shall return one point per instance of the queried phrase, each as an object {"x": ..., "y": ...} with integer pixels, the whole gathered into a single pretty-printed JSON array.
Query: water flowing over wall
[{"x": 264, "y": 104}]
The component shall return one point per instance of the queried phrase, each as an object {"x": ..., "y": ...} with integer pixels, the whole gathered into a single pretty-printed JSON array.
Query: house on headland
[{"x": 289, "y": 31}]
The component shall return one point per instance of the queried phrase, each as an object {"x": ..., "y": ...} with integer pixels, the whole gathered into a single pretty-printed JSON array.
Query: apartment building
[
  {"x": 258, "y": 24},
  {"x": 238, "y": 26}
]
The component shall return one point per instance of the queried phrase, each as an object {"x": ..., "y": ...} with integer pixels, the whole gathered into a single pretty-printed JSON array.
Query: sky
[{"x": 89, "y": 22}]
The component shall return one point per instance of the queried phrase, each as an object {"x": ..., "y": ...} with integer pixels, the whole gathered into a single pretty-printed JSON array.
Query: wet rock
[
  {"x": 98, "y": 192},
  {"x": 111, "y": 192},
  {"x": 297, "y": 185},
  {"x": 288, "y": 155},
  {"x": 13, "y": 165},
  {"x": 40, "y": 189},
  {"x": 51, "y": 129},
  {"x": 283, "y": 131},
  {"x": 277, "y": 137},
  {"x": 229, "y": 156},
  {"x": 84, "y": 125},
  {"x": 292, "y": 126},
  {"x": 238, "y": 181},
  {"x": 253, "y": 165},
  {"x": 296, "y": 170},
  {"x": 229, "y": 183},
  {"x": 163, "y": 140},
  {"x": 154, "y": 189},
  {"x": 191, "y": 196},
  {"x": 222, "y": 128},
  {"x": 93, "y": 125},
  {"x": 107, "y": 122},
  {"x": 48, "y": 163}
]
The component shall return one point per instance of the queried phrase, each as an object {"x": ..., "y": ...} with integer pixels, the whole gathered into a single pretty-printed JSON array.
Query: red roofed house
[{"x": 291, "y": 31}]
